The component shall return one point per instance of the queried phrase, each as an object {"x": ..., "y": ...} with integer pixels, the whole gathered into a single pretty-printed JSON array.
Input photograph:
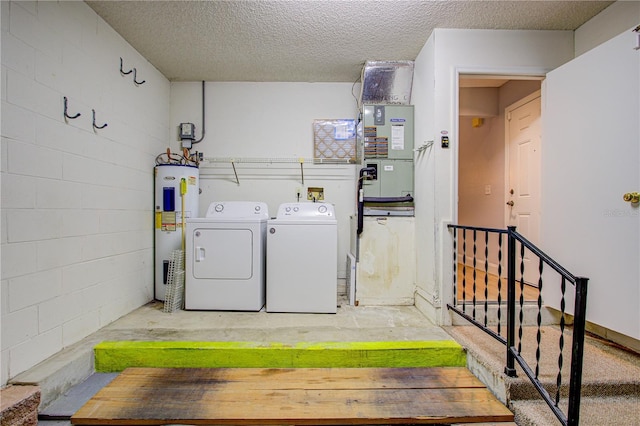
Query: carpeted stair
[{"x": 611, "y": 376}]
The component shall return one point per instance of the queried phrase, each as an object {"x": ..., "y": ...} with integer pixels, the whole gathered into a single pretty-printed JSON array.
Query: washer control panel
[{"x": 306, "y": 211}]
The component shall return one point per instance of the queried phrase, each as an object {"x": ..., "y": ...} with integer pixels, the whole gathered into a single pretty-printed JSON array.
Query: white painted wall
[
  {"x": 446, "y": 54},
  {"x": 77, "y": 204},
  {"x": 423, "y": 93},
  {"x": 615, "y": 19},
  {"x": 268, "y": 121}
]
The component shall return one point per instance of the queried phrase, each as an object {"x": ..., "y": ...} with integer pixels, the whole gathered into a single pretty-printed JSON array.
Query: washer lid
[{"x": 246, "y": 210}]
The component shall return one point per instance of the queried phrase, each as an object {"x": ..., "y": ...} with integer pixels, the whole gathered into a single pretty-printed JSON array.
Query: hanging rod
[{"x": 276, "y": 160}]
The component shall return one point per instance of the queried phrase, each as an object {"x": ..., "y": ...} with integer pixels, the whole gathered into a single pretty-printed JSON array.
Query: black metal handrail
[{"x": 517, "y": 283}]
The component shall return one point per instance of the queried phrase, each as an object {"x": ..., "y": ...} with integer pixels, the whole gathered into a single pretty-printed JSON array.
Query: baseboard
[{"x": 606, "y": 333}]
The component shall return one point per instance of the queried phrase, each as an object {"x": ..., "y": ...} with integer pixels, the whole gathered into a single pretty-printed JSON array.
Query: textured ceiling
[{"x": 308, "y": 40}]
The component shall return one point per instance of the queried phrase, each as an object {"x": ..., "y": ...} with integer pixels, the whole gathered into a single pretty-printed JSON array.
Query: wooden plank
[
  {"x": 314, "y": 378},
  {"x": 116, "y": 356},
  {"x": 292, "y": 396}
]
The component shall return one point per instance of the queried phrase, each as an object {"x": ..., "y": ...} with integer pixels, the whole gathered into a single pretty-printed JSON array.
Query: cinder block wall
[{"x": 77, "y": 202}]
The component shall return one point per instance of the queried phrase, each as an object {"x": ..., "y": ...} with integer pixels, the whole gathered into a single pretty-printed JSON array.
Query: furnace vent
[{"x": 387, "y": 82}]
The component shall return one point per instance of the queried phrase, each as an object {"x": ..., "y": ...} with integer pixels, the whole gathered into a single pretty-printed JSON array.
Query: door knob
[
  {"x": 632, "y": 197},
  {"x": 510, "y": 203}
]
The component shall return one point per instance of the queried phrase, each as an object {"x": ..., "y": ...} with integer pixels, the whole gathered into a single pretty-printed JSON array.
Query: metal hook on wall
[
  {"x": 66, "y": 115},
  {"x": 123, "y": 72},
  {"x": 95, "y": 126},
  {"x": 135, "y": 75}
]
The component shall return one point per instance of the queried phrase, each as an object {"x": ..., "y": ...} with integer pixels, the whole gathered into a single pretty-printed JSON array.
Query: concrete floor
[
  {"x": 74, "y": 364},
  {"x": 59, "y": 374},
  {"x": 350, "y": 323}
]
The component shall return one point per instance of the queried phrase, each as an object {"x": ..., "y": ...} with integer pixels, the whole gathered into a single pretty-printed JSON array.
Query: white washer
[
  {"x": 302, "y": 259},
  {"x": 225, "y": 257}
]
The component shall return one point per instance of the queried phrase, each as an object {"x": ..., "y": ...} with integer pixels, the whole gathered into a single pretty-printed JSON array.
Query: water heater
[{"x": 169, "y": 213}]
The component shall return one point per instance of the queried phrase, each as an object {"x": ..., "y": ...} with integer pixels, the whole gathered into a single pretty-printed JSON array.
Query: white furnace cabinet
[{"x": 386, "y": 268}]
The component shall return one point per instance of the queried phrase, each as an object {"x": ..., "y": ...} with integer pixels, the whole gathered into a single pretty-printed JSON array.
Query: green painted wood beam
[{"x": 116, "y": 356}]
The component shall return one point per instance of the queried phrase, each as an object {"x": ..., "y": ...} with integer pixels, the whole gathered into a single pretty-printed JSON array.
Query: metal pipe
[
  {"x": 203, "y": 120},
  {"x": 361, "y": 175}
]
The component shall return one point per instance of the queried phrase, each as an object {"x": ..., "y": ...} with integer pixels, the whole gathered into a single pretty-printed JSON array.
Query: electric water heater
[{"x": 169, "y": 213}]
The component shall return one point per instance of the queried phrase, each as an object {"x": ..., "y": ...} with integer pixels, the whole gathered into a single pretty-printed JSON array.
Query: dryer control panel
[{"x": 237, "y": 209}]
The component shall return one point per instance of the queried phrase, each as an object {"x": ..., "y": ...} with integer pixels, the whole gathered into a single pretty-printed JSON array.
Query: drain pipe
[{"x": 364, "y": 173}]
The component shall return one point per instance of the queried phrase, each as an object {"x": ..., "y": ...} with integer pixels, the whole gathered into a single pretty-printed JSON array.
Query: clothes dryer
[
  {"x": 302, "y": 259},
  {"x": 225, "y": 257}
]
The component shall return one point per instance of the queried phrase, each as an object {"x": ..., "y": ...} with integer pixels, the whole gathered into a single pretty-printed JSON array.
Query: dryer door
[{"x": 222, "y": 253}]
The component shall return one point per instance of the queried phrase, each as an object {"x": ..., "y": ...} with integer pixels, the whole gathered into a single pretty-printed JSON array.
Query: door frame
[
  {"x": 504, "y": 73},
  {"x": 520, "y": 73}
]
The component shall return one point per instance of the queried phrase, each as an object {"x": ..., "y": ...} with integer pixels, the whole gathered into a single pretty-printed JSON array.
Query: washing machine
[
  {"x": 302, "y": 259},
  {"x": 225, "y": 257}
]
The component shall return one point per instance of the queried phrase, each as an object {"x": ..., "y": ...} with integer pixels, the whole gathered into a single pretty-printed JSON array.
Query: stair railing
[{"x": 475, "y": 301}]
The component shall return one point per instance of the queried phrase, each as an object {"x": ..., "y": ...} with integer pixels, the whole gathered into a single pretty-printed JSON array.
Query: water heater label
[
  {"x": 192, "y": 180},
  {"x": 168, "y": 221}
]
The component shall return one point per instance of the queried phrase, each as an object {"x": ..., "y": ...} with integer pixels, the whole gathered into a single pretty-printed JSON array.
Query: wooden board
[{"x": 305, "y": 396}]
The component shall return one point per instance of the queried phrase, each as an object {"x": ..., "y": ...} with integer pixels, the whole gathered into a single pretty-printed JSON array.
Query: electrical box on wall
[
  {"x": 387, "y": 146},
  {"x": 187, "y": 131}
]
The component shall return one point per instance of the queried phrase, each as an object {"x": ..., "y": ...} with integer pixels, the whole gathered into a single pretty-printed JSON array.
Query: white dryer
[
  {"x": 302, "y": 259},
  {"x": 225, "y": 257}
]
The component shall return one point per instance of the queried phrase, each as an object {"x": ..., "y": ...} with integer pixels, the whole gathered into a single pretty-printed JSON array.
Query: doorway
[{"x": 484, "y": 182}]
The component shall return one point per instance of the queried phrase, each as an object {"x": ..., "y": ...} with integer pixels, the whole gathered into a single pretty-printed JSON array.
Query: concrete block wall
[{"x": 77, "y": 202}]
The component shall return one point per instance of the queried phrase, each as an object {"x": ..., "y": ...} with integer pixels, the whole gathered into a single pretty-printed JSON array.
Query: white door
[
  {"x": 523, "y": 136},
  {"x": 592, "y": 136}
]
